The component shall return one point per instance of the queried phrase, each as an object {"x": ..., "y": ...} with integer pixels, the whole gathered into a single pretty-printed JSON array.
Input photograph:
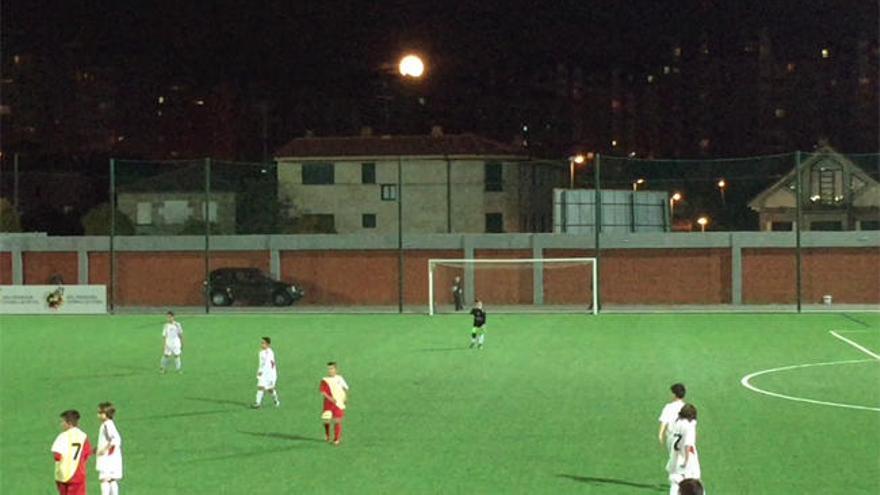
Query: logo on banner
[{"x": 55, "y": 299}]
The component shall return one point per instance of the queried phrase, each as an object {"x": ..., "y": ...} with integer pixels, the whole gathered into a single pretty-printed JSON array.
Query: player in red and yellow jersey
[
  {"x": 335, "y": 393},
  {"x": 71, "y": 450}
]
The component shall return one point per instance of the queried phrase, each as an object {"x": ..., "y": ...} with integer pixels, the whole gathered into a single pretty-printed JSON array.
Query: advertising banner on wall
[{"x": 53, "y": 299}]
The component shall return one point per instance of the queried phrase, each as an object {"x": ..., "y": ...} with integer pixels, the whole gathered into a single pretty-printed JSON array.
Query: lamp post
[
  {"x": 676, "y": 196},
  {"x": 703, "y": 221},
  {"x": 722, "y": 185},
  {"x": 572, "y": 161},
  {"x": 636, "y": 183}
]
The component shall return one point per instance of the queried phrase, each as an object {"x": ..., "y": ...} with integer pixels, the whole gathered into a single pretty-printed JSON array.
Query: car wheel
[
  {"x": 220, "y": 299},
  {"x": 281, "y": 299}
]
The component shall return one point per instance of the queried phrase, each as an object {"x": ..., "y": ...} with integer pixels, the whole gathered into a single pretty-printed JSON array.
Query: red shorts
[
  {"x": 334, "y": 411},
  {"x": 71, "y": 488}
]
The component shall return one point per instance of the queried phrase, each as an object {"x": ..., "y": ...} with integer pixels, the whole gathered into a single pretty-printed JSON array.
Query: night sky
[{"x": 480, "y": 55}]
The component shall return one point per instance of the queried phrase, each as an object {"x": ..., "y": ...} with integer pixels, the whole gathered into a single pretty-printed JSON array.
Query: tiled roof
[{"x": 367, "y": 146}]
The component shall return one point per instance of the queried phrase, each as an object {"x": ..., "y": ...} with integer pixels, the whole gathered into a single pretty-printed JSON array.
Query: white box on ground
[{"x": 53, "y": 299}]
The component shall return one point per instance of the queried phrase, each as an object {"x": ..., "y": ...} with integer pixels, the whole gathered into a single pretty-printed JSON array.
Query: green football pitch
[{"x": 553, "y": 404}]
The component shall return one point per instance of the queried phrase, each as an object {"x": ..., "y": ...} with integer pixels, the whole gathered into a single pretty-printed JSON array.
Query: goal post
[{"x": 514, "y": 285}]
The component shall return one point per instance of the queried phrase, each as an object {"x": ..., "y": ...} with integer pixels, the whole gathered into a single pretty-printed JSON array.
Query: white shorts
[
  {"x": 109, "y": 468},
  {"x": 266, "y": 382},
  {"x": 172, "y": 349}
]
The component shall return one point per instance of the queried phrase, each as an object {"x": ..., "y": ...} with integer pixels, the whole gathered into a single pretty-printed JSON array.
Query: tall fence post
[
  {"x": 597, "y": 227},
  {"x": 400, "y": 290},
  {"x": 798, "y": 188},
  {"x": 112, "y": 252},
  {"x": 207, "y": 217}
]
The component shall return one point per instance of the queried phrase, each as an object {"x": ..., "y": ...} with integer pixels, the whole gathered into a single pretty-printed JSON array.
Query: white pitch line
[
  {"x": 856, "y": 345},
  {"x": 746, "y": 383}
]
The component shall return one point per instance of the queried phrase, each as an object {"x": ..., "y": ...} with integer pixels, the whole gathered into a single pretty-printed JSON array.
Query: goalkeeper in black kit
[{"x": 478, "y": 334}]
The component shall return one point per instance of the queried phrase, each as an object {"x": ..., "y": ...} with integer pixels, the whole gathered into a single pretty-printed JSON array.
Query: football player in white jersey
[
  {"x": 684, "y": 463},
  {"x": 172, "y": 337},
  {"x": 670, "y": 411},
  {"x": 109, "y": 454},
  {"x": 267, "y": 373}
]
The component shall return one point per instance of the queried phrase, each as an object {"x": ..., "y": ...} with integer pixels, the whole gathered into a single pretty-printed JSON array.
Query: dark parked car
[{"x": 249, "y": 286}]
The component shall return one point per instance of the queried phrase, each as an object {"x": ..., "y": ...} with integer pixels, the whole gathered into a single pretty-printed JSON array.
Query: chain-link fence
[{"x": 331, "y": 231}]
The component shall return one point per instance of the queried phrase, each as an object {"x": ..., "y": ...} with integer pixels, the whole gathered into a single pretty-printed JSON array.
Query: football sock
[
  {"x": 482, "y": 338},
  {"x": 105, "y": 488},
  {"x": 275, "y": 396},
  {"x": 327, "y": 430},
  {"x": 337, "y": 431},
  {"x": 177, "y": 363},
  {"x": 163, "y": 362},
  {"x": 114, "y": 488},
  {"x": 259, "y": 397}
]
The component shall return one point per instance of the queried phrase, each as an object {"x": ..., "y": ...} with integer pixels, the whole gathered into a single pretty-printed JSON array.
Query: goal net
[{"x": 513, "y": 285}]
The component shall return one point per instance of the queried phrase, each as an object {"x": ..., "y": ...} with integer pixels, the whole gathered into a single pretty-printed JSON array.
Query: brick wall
[
  {"x": 39, "y": 267},
  {"x": 628, "y": 276}
]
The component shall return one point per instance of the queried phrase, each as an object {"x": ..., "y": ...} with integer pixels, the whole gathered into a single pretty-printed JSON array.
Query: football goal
[{"x": 514, "y": 285}]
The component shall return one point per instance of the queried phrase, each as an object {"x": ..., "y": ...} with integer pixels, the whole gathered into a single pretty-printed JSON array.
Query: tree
[
  {"x": 196, "y": 226},
  {"x": 97, "y": 221},
  {"x": 10, "y": 220}
]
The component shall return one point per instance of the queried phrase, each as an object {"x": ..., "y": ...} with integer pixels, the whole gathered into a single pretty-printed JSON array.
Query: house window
[
  {"x": 176, "y": 211},
  {"x": 389, "y": 192},
  {"x": 318, "y": 173},
  {"x": 781, "y": 226},
  {"x": 832, "y": 225},
  {"x": 368, "y": 173},
  {"x": 494, "y": 176},
  {"x": 495, "y": 223},
  {"x": 827, "y": 184},
  {"x": 869, "y": 225},
  {"x": 368, "y": 220},
  {"x": 212, "y": 211},
  {"x": 145, "y": 213}
]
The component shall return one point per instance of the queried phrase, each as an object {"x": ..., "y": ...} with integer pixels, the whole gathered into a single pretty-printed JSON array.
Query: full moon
[{"x": 411, "y": 66}]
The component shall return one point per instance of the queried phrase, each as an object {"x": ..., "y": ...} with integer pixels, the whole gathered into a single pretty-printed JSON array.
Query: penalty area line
[{"x": 856, "y": 345}]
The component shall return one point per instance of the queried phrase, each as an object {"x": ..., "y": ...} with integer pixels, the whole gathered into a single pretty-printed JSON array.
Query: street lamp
[
  {"x": 637, "y": 183},
  {"x": 703, "y": 221},
  {"x": 572, "y": 160},
  {"x": 675, "y": 197},
  {"x": 411, "y": 66},
  {"x": 722, "y": 184}
]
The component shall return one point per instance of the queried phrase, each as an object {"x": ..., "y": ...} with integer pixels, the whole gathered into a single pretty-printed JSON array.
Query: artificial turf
[{"x": 553, "y": 404}]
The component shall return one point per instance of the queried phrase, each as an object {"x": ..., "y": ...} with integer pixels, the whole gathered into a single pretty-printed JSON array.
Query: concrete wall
[{"x": 345, "y": 270}]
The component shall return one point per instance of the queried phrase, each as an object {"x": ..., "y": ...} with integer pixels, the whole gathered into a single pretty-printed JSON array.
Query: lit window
[
  {"x": 650, "y": 78},
  {"x": 616, "y": 104},
  {"x": 789, "y": 67},
  {"x": 705, "y": 142},
  {"x": 864, "y": 81},
  {"x": 779, "y": 112},
  {"x": 161, "y": 100},
  {"x": 16, "y": 59},
  {"x": 666, "y": 69},
  {"x": 676, "y": 51},
  {"x": 825, "y": 53},
  {"x": 200, "y": 102},
  {"x": 613, "y": 142}
]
